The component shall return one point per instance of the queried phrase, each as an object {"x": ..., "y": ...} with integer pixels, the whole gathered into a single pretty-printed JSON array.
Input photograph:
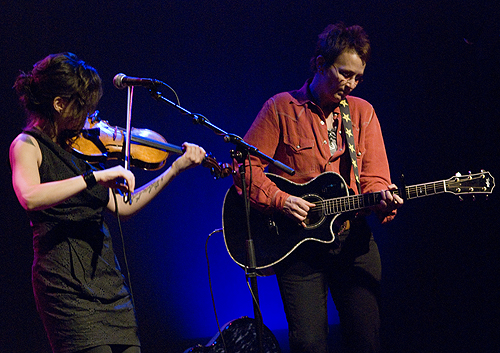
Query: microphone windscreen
[{"x": 118, "y": 81}]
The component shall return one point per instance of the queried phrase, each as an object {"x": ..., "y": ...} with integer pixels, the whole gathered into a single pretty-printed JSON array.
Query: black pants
[{"x": 351, "y": 271}]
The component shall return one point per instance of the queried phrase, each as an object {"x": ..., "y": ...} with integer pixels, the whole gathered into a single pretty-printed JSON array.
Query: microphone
[{"x": 121, "y": 81}]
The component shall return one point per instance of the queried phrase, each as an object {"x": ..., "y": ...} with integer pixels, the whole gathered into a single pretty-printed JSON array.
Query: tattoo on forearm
[{"x": 149, "y": 189}]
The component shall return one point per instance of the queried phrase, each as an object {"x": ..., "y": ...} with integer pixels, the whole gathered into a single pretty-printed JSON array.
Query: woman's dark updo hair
[
  {"x": 336, "y": 39},
  {"x": 59, "y": 75}
]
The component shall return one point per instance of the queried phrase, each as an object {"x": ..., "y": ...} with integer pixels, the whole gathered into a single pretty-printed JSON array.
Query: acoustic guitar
[{"x": 275, "y": 236}]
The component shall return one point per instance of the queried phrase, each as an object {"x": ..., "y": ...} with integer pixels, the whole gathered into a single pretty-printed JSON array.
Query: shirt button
[
  {"x": 324, "y": 142},
  {"x": 298, "y": 146},
  {"x": 359, "y": 153},
  {"x": 322, "y": 122}
]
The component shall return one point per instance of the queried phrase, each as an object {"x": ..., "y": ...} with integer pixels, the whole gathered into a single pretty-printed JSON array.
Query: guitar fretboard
[
  {"x": 358, "y": 202},
  {"x": 421, "y": 190}
]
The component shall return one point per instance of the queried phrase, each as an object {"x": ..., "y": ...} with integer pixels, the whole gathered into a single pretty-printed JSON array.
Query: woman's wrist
[{"x": 89, "y": 178}]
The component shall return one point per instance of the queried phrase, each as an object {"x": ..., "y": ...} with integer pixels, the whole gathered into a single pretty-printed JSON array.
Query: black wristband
[{"x": 89, "y": 178}]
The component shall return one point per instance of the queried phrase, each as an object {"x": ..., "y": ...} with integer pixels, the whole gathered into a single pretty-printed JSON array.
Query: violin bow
[{"x": 127, "y": 197}]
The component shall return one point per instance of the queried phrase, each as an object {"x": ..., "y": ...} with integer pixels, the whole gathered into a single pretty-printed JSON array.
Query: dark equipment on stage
[{"x": 239, "y": 337}]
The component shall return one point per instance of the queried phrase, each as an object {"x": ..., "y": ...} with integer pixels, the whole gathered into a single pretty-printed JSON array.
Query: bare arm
[
  {"x": 25, "y": 158},
  {"x": 192, "y": 156}
]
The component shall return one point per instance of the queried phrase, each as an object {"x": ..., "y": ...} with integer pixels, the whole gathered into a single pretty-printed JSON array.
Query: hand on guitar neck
[{"x": 389, "y": 203}]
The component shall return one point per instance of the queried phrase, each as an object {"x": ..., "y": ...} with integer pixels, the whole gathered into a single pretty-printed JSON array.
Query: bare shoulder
[
  {"x": 25, "y": 145},
  {"x": 25, "y": 138}
]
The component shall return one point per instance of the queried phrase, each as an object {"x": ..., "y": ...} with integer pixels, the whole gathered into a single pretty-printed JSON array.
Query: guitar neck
[{"x": 358, "y": 202}]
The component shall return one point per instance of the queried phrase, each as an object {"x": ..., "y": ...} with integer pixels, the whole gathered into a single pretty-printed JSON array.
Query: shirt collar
[{"x": 303, "y": 95}]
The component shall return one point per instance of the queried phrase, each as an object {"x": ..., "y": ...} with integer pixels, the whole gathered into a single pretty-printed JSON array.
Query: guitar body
[
  {"x": 239, "y": 335},
  {"x": 275, "y": 236}
]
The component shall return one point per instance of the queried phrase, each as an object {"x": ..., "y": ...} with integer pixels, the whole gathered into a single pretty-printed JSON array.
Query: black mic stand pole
[
  {"x": 243, "y": 149},
  {"x": 240, "y": 155}
]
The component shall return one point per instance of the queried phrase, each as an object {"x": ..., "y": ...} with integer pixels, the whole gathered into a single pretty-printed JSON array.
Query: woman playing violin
[{"x": 80, "y": 293}]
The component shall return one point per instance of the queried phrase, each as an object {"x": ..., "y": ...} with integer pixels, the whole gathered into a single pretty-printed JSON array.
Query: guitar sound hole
[{"x": 316, "y": 214}]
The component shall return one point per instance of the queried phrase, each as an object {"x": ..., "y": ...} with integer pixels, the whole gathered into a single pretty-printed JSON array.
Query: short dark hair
[
  {"x": 337, "y": 38},
  {"x": 58, "y": 75}
]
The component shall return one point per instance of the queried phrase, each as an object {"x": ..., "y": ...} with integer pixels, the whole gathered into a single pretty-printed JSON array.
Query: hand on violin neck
[{"x": 193, "y": 155}]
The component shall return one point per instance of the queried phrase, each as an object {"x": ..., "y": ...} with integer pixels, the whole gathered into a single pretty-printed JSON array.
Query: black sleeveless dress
[{"x": 79, "y": 289}]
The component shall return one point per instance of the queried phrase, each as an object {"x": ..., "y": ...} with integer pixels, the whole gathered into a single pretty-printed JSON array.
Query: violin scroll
[{"x": 218, "y": 170}]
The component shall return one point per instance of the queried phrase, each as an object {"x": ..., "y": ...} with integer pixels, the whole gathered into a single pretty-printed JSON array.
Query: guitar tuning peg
[{"x": 458, "y": 174}]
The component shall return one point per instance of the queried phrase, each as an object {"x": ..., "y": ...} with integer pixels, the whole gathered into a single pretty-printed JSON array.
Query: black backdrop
[{"x": 433, "y": 80}]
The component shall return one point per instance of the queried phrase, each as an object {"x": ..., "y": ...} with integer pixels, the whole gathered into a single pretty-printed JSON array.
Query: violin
[{"x": 99, "y": 142}]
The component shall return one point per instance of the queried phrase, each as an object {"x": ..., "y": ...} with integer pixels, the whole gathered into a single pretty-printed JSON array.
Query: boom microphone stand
[{"x": 242, "y": 151}]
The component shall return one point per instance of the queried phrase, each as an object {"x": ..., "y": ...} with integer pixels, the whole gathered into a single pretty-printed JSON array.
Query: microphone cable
[
  {"x": 124, "y": 251},
  {"x": 211, "y": 288}
]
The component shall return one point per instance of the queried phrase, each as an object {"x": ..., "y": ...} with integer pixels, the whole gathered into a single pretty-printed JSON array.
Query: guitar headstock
[{"x": 479, "y": 183}]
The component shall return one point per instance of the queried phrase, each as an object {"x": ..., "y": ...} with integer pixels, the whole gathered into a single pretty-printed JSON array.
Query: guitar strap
[{"x": 346, "y": 119}]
